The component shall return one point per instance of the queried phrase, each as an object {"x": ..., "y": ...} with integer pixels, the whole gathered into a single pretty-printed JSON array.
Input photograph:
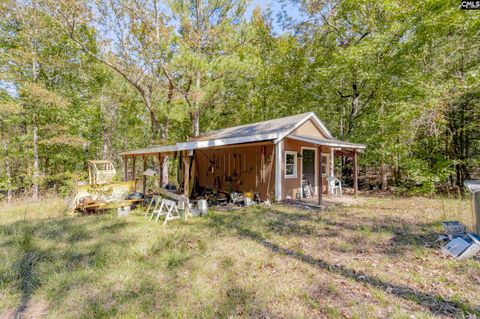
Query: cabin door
[{"x": 308, "y": 172}]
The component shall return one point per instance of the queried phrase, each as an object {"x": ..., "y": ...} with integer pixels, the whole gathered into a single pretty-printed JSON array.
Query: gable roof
[
  {"x": 272, "y": 130},
  {"x": 276, "y": 127}
]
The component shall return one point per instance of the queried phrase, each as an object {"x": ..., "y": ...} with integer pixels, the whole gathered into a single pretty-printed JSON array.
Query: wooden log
[
  {"x": 320, "y": 177},
  {"x": 181, "y": 199},
  {"x": 355, "y": 173}
]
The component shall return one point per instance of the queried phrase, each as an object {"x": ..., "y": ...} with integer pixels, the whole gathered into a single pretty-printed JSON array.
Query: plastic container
[
  {"x": 202, "y": 206},
  {"x": 463, "y": 247}
]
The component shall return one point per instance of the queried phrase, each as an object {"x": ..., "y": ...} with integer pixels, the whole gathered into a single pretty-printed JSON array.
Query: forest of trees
[{"x": 84, "y": 80}]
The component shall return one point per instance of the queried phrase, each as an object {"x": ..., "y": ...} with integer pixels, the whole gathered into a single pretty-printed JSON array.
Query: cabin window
[{"x": 290, "y": 164}]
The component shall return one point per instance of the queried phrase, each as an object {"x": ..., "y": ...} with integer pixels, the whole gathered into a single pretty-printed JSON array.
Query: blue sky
[{"x": 276, "y": 7}]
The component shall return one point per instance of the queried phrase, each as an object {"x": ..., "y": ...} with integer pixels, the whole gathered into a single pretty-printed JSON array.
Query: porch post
[
  {"x": 134, "y": 159},
  {"x": 144, "y": 178},
  {"x": 320, "y": 177},
  {"x": 332, "y": 162},
  {"x": 160, "y": 170},
  {"x": 278, "y": 170},
  {"x": 186, "y": 182},
  {"x": 355, "y": 172},
  {"x": 125, "y": 168}
]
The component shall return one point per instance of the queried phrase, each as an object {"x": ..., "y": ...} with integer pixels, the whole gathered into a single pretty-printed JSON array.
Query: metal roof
[
  {"x": 275, "y": 127},
  {"x": 226, "y": 141},
  {"x": 327, "y": 142},
  {"x": 151, "y": 150},
  {"x": 271, "y": 130}
]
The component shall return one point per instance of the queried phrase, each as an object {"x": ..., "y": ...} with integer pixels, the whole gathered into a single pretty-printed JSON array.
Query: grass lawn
[{"x": 377, "y": 259}]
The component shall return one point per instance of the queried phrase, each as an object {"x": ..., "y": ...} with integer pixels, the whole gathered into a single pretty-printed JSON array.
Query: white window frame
[{"x": 295, "y": 164}]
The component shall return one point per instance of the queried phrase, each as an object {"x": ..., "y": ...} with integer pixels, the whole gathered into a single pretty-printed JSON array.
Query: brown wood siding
[
  {"x": 242, "y": 164},
  {"x": 290, "y": 186}
]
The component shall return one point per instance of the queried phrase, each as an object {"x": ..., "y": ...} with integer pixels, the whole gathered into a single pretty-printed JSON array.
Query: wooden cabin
[{"x": 272, "y": 157}]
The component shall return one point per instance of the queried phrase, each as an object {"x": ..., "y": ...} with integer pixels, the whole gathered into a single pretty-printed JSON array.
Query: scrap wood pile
[{"x": 225, "y": 198}]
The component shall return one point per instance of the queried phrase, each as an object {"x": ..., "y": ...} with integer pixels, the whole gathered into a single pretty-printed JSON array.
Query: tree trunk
[
  {"x": 165, "y": 170},
  {"x": 196, "y": 111},
  {"x": 383, "y": 174},
  {"x": 165, "y": 158},
  {"x": 156, "y": 127},
  {"x": 36, "y": 172},
  {"x": 355, "y": 106},
  {"x": 8, "y": 172},
  {"x": 106, "y": 145},
  {"x": 383, "y": 169},
  {"x": 109, "y": 114},
  {"x": 196, "y": 123}
]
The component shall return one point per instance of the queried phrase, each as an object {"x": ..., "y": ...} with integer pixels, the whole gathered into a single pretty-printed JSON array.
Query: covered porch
[{"x": 314, "y": 161}]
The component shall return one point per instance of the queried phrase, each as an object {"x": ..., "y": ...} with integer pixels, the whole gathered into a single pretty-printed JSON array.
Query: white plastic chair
[{"x": 334, "y": 186}]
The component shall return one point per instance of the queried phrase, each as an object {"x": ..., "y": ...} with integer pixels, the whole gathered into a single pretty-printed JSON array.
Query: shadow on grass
[
  {"x": 38, "y": 255},
  {"x": 436, "y": 304},
  {"x": 405, "y": 235},
  {"x": 28, "y": 281}
]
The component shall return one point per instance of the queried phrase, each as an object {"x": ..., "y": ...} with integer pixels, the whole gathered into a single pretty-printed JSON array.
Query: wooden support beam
[
  {"x": 134, "y": 171},
  {"x": 125, "y": 168},
  {"x": 144, "y": 178},
  {"x": 355, "y": 173},
  {"x": 160, "y": 170},
  {"x": 186, "y": 181},
  {"x": 320, "y": 177}
]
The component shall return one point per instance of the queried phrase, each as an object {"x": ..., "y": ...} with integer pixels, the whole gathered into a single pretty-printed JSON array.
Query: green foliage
[{"x": 400, "y": 78}]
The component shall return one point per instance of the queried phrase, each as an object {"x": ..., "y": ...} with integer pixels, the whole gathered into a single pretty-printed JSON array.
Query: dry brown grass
[{"x": 378, "y": 259}]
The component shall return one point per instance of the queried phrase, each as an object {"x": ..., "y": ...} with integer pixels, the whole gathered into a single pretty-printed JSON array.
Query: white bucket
[{"x": 202, "y": 206}]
